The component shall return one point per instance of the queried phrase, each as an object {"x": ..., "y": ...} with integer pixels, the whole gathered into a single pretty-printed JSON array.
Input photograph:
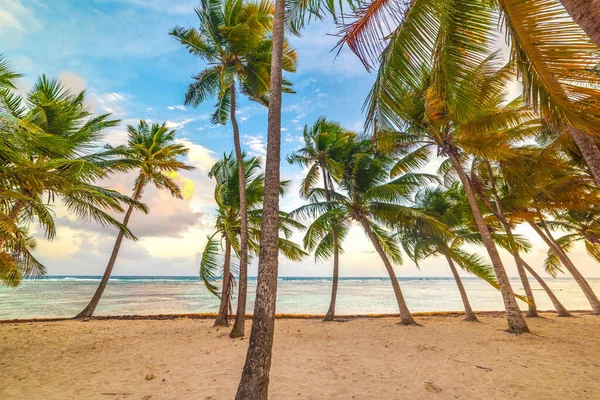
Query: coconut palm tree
[
  {"x": 156, "y": 155},
  {"x": 539, "y": 181},
  {"x": 49, "y": 135},
  {"x": 324, "y": 145},
  {"x": 420, "y": 241},
  {"x": 254, "y": 382},
  {"x": 554, "y": 60},
  {"x": 234, "y": 40},
  {"x": 490, "y": 177},
  {"x": 580, "y": 226},
  {"x": 228, "y": 223},
  {"x": 214, "y": 264},
  {"x": 375, "y": 204},
  {"x": 463, "y": 116}
]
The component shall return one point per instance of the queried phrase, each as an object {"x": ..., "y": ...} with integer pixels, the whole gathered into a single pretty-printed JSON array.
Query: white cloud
[
  {"x": 179, "y": 124},
  {"x": 257, "y": 144},
  {"x": 177, "y": 107},
  {"x": 73, "y": 81},
  {"x": 15, "y": 16}
]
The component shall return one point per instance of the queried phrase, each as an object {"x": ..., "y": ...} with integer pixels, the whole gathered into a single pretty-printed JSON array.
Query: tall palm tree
[
  {"x": 491, "y": 199},
  {"x": 228, "y": 228},
  {"x": 420, "y": 241},
  {"x": 375, "y": 204},
  {"x": 156, "y": 155},
  {"x": 461, "y": 114},
  {"x": 545, "y": 181},
  {"x": 228, "y": 223},
  {"x": 234, "y": 39},
  {"x": 555, "y": 60},
  {"x": 324, "y": 145},
  {"x": 48, "y": 135},
  {"x": 254, "y": 382}
]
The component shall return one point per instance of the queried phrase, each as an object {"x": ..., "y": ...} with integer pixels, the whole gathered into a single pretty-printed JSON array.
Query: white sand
[{"x": 445, "y": 358}]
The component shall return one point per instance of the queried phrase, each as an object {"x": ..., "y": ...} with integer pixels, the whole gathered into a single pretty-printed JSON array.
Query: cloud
[
  {"x": 177, "y": 107},
  {"x": 73, "y": 81},
  {"x": 15, "y": 16},
  {"x": 179, "y": 124},
  {"x": 257, "y": 145}
]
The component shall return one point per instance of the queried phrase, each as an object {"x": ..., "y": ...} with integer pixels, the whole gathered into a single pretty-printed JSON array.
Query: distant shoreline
[
  {"x": 339, "y": 318},
  {"x": 196, "y": 277}
]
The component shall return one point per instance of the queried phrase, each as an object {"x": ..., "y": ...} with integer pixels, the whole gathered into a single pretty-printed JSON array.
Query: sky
[{"x": 120, "y": 53}]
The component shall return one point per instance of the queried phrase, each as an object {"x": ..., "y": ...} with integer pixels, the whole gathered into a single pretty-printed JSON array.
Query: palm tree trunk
[
  {"x": 88, "y": 311},
  {"x": 330, "y": 316},
  {"x": 240, "y": 315},
  {"x": 469, "y": 314},
  {"x": 588, "y": 149},
  {"x": 516, "y": 321},
  {"x": 222, "y": 317},
  {"x": 254, "y": 383},
  {"x": 532, "y": 309},
  {"x": 566, "y": 261},
  {"x": 405, "y": 316},
  {"x": 586, "y": 13},
  {"x": 560, "y": 309}
]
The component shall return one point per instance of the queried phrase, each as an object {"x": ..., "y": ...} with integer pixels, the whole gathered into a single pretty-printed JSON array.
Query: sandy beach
[{"x": 444, "y": 358}]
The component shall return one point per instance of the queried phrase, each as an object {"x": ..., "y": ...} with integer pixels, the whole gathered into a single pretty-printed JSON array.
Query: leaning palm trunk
[
  {"x": 589, "y": 151},
  {"x": 558, "y": 306},
  {"x": 405, "y": 316},
  {"x": 469, "y": 314},
  {"x": 240, "y": 315},
  {"x": 516, "y": 321},
  {"x": 254, "y": 383},
  {"x": 566, "y": 261},
  {"x": 330, "y": 316},
  {"x": 91, "y": 307},
  {"x": 223, "y": 315},
  {"x": 586, "y": 13},
  {"x": 499, "y": 212}
]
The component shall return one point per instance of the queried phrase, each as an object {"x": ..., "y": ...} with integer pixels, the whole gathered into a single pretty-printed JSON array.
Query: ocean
[{"x": 65, "y": 296}]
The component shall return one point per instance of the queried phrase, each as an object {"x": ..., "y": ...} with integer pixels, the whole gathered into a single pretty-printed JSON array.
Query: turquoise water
[{"x": 65, "y": 296}]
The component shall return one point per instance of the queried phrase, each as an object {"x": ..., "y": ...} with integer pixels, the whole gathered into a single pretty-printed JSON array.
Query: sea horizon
[{"x": 60, "y": 296}]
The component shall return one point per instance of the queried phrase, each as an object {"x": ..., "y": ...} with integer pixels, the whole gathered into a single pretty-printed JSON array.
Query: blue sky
[{"x": 119, "y": 51}]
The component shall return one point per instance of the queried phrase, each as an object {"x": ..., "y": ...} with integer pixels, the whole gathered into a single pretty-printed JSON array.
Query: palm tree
[
  {"x": 421, "y": 241},
  {"x": 48, "y": 135},
  {"x": 498, "y": 210},
  {"x": 154, "y": 152},
  {"x": 547, "y": 181},
  {"x": 228, "y": 228},
  {"x": 324, "y": 143},
  {"x": 494, "y": 204},
  {"x": 460, "y": 114},
  {"x": 228, "y": 223},
  {"x": 555, "y": 60},
  {"x": 254, "y": 382},
  {"x": 234, "y": 40},
  {"x": 375, "y": 204},
  {"x": 581, "y": 226}
]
